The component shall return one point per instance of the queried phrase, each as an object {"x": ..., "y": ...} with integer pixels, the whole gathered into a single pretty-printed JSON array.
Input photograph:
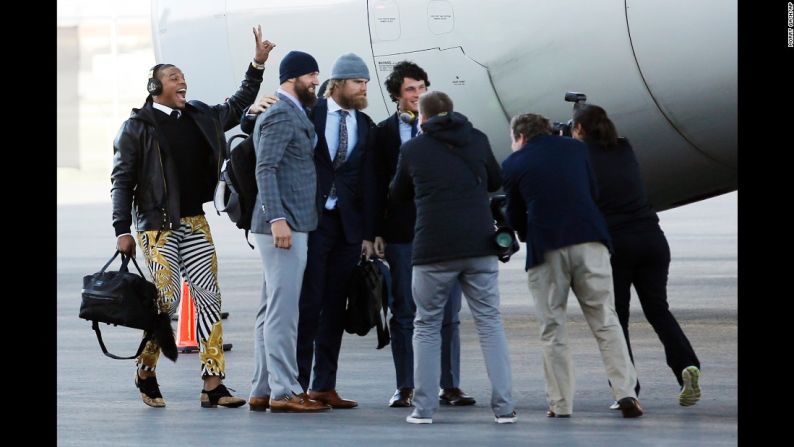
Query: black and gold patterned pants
[{"x": 187, "y": 251}]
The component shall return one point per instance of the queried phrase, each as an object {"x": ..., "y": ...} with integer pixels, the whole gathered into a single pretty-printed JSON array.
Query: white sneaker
[
  {"x": 690, "y": 393},
  {"x": 417, "y": 420},
  {"x": 506, "y": 418},
  {"x": 614, "y": 406}
]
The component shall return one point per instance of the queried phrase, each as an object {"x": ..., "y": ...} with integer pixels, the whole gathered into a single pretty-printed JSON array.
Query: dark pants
[
  {"x": 329, "y": 266},
  {"x": 401, "y": 324},
  {"x": 643, "y": 259}
]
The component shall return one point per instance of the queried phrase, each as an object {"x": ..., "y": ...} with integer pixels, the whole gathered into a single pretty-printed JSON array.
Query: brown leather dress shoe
[
  {"x": 455, "y": 396},
  {"x": 331, "y": 398},
  {"x": 402, "y": 398},
  {"x": 630, "y": 407},
  {"x": 259, "y": 403},
  {"x": 297, "y": 403}
]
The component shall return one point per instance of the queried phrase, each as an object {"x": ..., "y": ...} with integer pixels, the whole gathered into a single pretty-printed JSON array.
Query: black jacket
[
  {"x": 395, "y": 222},
  {"x": 448, "y": 171},
  {"x": 143, "y": 177},
  {"x": 621, "y": 190},
  {"x": 551, "y": 196}
]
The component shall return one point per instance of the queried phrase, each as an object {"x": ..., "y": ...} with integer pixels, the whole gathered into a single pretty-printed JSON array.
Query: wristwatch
[{"x": 257, "y": 65}]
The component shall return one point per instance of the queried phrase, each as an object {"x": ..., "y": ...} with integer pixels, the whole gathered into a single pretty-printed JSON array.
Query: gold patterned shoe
[
  {"x": 220, "y": 395},
  {"x": 150, "y": 391}
]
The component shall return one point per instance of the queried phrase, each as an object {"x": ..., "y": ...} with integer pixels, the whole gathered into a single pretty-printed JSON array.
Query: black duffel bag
[{"x": 125, "y": 299}]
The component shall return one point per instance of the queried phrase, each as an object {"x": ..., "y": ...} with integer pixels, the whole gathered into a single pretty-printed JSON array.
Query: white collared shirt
[{"x": 165, "y": 109}]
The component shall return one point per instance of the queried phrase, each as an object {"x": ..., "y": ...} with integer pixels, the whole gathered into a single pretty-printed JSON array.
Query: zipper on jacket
[
  {"x": 165, "y": 223},
  {"x": 223, "y": 151}
]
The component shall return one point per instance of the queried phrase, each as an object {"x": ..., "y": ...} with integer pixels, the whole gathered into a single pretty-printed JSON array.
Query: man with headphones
[
  {"x": 166, "y": 161},
  {"x": 394, "y": 237}
]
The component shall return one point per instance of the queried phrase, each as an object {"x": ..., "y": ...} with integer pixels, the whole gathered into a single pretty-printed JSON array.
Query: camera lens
[{"x": 504, "y": 239}]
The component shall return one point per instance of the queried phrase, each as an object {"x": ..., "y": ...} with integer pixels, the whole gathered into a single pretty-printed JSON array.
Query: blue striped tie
[{"x": 341, "y": 150}]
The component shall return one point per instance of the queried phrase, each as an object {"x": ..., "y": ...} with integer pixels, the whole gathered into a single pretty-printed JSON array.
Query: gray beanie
[{"x": 349, "y": 66}]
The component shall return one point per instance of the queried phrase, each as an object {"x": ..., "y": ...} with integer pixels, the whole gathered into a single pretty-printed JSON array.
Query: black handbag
[
  {"x": 123, "y": 298},
  {"x": 367, "y": 297}
]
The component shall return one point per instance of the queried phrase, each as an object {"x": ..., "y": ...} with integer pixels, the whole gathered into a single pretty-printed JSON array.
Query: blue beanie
[
  {"x": 350, "y": 66},
  {"x": 295, "y": 64}
]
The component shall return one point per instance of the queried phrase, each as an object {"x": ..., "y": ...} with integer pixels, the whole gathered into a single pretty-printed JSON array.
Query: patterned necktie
[
  {"x": 341, "y": 151},
  {"x": 414, "y": 127}
]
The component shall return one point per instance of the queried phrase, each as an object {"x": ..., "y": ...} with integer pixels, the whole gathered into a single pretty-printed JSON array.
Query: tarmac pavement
[{"x": 97, "y": 403}]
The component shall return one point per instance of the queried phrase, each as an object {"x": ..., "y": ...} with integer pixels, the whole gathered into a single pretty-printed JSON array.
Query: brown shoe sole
[{"x": 297, "y": 410}]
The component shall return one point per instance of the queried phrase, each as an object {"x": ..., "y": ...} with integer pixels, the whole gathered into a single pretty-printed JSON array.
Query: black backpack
[
  {"x": 236, "y": 191},
  {"x": 367, "y": 297}
]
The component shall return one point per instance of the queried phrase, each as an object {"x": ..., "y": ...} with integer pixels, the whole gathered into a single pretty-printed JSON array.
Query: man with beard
[
  {"x": 284, "y": 214},
  {"x": 346, "y": 187},
  {"x": 345, "y": 164},
  {"x": 394, "y": 241}
]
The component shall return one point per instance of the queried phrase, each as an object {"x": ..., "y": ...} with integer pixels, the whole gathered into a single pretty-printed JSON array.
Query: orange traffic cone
[{"x": 186, "y": 331}]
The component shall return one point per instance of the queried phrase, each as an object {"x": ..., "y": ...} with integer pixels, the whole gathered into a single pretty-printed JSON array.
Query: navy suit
[{"x": 334, "y": 249}]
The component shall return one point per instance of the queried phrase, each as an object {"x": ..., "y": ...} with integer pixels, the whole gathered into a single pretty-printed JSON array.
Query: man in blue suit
[
  {"x": 344, "y": 159},
  {"x": 551, "y": 204}
]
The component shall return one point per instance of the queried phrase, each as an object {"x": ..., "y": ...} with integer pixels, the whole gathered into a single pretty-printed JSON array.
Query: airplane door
[{"x": 422, "y": 32}]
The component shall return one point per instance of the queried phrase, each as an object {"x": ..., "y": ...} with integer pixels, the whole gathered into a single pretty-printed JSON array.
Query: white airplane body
[{"x": 665, "y": 70}]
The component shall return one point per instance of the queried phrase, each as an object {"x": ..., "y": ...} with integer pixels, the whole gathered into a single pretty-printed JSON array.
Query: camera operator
[
  {"x": 453, "y": 241},
  {"x": 550, "y": 203},
  {"x": 641, "y": 255}
]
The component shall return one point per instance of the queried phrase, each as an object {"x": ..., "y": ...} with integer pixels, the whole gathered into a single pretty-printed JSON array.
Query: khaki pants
[{"x": 586, "y": 268}]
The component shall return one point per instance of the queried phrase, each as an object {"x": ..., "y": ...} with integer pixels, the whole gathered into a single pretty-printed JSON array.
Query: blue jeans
[{"x": 401, "y": 324}]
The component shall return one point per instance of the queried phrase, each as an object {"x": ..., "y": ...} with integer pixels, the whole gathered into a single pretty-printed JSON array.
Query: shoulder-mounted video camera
[
  {"x": 504, "y": 236},
  {"x": 566, "y": 127}
]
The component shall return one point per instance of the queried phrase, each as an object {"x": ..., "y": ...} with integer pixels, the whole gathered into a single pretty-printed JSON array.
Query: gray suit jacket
[{"x": 285, "y": 173}]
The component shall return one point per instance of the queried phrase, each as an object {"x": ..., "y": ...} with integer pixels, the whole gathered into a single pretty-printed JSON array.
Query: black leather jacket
[{"x": 143, "y": 177}]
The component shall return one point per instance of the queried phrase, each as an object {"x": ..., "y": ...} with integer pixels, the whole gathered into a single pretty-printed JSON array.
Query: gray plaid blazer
[{"x": 285, "y": 172}]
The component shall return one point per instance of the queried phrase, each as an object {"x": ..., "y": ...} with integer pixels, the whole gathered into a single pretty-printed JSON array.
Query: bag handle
[
  {"x": 125, "y": 260},
  {"x": 104, "y": 267},
  {"x": 95, "y": 327}
]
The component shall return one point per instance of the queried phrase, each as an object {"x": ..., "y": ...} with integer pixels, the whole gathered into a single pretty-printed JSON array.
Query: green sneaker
[{"x": 690, "y": 393}]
